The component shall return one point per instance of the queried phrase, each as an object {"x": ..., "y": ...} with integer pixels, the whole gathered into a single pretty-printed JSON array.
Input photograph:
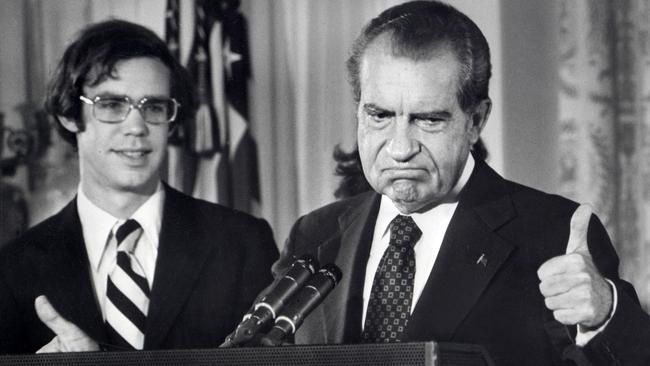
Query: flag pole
[{"x": 225, "y": 155}]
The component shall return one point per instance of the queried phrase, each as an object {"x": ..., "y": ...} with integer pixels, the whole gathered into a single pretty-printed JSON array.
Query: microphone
[
  {"x": 266, "y": 308},
  {"x": 292, "y": 316}
]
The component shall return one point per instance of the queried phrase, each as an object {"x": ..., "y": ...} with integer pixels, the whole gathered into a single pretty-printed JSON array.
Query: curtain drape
[
  {"x": 301, "y": 105},
  {"x": 604, "y": 114}
]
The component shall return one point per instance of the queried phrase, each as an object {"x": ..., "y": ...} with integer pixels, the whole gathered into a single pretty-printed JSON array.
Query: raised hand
[
  {"x": 572, "y": 286},
  {"x": 69, "y": 338}
]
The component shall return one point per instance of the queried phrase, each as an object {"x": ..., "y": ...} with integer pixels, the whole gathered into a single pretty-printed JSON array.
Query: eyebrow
[
  {"x": 114, "y": 95},
  {"x": 110, "y": 95},
  {"x": 373, "y": 108},
  {"x": 442, "y": 114},
  {"x": 432, "y": 115}
]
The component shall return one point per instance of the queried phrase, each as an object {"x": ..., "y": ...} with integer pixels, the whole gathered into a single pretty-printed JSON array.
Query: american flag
[{"x": 223, "y": 166}]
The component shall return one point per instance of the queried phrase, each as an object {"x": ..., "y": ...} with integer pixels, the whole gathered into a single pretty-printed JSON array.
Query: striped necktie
[
  {"x": 127, "y": 292},
  {"x": 390, "y": 304}
]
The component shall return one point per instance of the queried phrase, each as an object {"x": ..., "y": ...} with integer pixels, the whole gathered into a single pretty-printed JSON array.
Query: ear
[
  {"x": 68, "y": 124},
  {"x": 479, "y": 118}
]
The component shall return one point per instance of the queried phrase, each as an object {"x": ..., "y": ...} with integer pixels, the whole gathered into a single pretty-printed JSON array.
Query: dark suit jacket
[
  {"x": 497, "y": 305},
  {"x": 212, "y": 262}
]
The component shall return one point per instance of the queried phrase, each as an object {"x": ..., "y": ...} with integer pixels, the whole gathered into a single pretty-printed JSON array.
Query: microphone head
[
  {"x": 332, "y": 271},
  {"x": 264, "y": 310},
  {"x": 301, "y": 305},
  {"x": 307, "y": 261}
]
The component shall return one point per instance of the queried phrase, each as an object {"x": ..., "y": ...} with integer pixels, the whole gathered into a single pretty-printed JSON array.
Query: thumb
[
  {"x": 64, "y": 329},
  {"x": 578, "y": 234}
]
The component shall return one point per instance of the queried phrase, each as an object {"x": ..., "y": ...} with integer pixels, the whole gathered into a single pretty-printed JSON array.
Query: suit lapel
[
  {"x": 470, "y": 255},
  {"x": 66, "y": 275},
  {"x": 342, "y": 309},
  {"x": 182, "y": 252}
]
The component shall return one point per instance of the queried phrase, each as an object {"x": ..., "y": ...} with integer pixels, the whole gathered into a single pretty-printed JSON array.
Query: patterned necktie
[
  {"x": 389, "y": 307},
  {"x": 127, "y": 292}
]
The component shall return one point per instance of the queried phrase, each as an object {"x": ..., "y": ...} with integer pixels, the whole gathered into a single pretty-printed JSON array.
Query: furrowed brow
[
  {"x": 374, "y": 109},
  {"x": 432, "y": 115}
]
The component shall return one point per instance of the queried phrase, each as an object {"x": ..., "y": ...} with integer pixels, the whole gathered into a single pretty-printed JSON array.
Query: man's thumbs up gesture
[{"x": 572, "y": 286}]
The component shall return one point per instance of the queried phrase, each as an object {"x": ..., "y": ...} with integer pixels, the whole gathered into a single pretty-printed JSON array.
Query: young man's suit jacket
[
  {"x": 212, "y": 262},
  {"x": 495, "y": 302}
]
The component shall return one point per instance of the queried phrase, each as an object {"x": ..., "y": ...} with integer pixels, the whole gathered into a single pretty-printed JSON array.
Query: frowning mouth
[{"x": 404, "y": 173}]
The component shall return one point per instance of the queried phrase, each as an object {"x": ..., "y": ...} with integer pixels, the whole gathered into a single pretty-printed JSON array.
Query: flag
[
  {"x": 179, "y": 162},
  {"x": 203, "y": 134},
  {"x": 245, "y": 192},
  {"x": 172, "y": 31},
  {"x": 212, "y": 176},
  {"x": 224, "y": 167}
]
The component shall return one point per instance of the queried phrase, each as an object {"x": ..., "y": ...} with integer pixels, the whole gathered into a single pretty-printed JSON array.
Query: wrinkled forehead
[
  {"x": 384, "y": 49},
  {"x": 416, "y": 48}
]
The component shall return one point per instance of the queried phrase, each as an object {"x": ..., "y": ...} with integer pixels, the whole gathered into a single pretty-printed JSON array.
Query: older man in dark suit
[
  {"x": 130, "y": 263},
  {"x": 444, "y": 248}
]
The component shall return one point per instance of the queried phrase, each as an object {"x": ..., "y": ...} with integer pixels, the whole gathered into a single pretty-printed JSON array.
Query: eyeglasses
[{"x": 115, "y": 109}]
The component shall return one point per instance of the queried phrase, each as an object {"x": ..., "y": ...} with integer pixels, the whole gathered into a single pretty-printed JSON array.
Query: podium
[{"x": 403, "y": 354}]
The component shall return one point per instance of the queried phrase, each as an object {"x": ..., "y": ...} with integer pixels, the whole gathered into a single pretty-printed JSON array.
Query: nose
[
  {"x": 134, "y": 124},
  {"x": 402, "y": 145}
]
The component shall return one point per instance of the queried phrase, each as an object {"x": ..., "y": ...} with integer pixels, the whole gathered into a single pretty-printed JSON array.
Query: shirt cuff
[{"x": 584, "y": 336}]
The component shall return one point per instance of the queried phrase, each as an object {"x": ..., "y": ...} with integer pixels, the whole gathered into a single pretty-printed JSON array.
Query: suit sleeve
[
  {"x": 257, "y": 267},
  {"x": 10, "y": 329},
  {"x": 626, "y": 339},
  {"x": 288, "y": 254},
  {"x": 286, "y": 259}
]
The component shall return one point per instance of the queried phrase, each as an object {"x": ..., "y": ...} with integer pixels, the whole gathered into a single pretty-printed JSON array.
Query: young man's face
[
  {"x": 125, "y": 156},
  {"x": 414, "y": 138}
]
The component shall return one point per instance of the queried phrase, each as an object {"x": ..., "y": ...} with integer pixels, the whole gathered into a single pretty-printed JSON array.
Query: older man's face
[{"x": 413, "y": 137}]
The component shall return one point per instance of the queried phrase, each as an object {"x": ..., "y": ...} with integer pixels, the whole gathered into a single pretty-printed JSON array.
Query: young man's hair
[{"x": 92, "y": 58}]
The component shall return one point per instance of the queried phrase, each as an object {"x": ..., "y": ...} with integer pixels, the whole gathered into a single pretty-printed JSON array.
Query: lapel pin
[{"x": 483, "y": 260}]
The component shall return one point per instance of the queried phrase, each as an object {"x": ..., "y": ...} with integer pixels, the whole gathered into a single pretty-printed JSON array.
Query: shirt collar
[
  {"x": 97, "y": 223},
  {"x": 149, "y": 216},
  {"x": 388, "y": 210}
]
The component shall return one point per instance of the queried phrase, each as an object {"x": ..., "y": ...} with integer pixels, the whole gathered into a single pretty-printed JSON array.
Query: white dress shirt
[
  {"x": 433, "y": 224},
  {"x": 97, "y": 224}
]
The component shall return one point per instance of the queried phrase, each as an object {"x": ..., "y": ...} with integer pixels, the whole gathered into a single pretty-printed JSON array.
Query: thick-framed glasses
[{"x": 109, "y": 109}]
